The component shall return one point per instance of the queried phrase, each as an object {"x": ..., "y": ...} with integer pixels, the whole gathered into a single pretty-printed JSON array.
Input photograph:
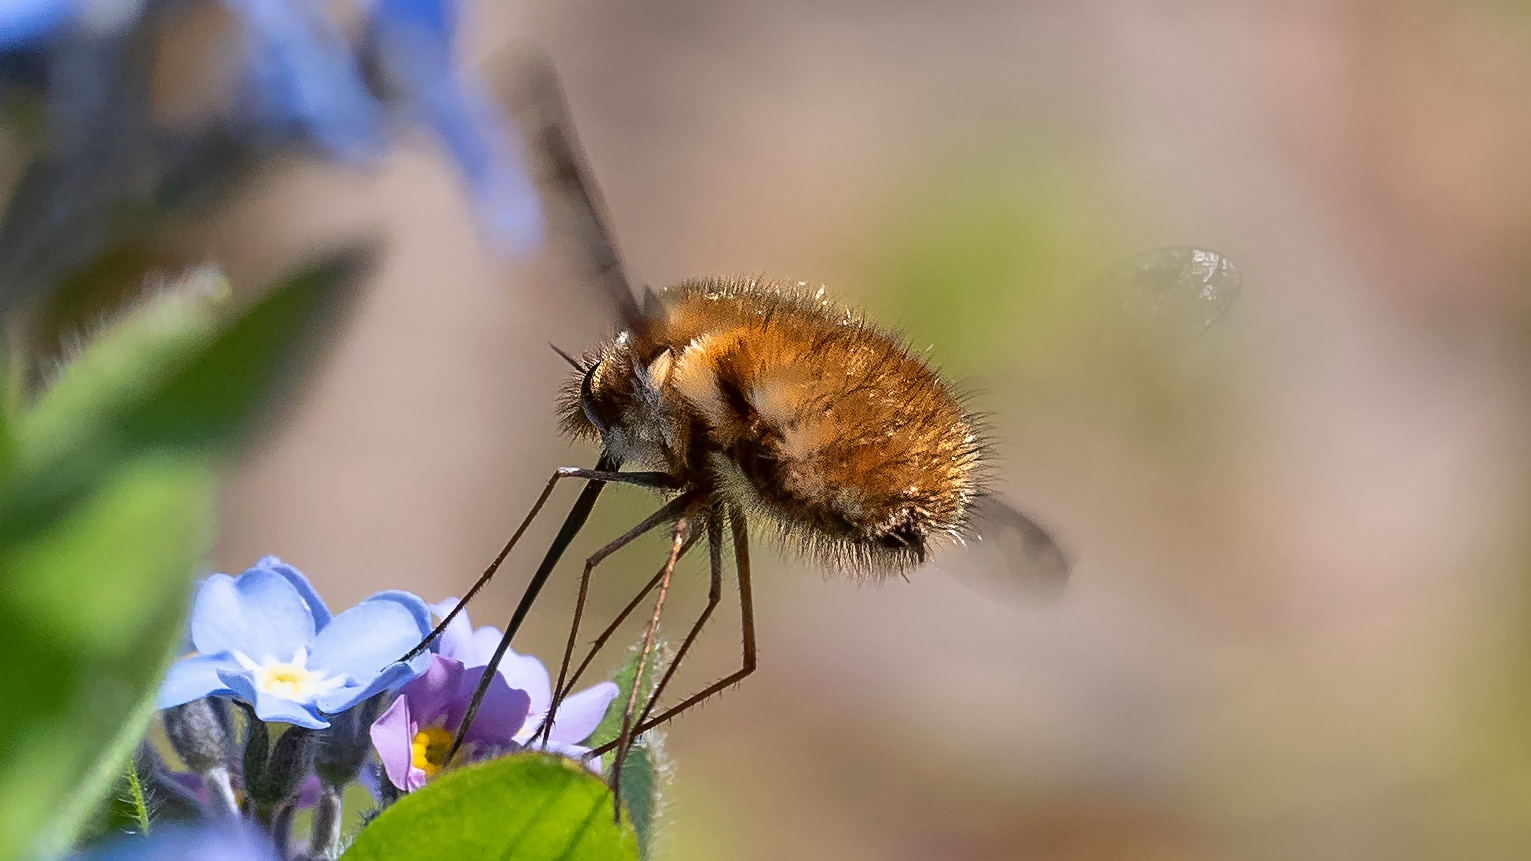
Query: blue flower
[
  {"x": 26, "y": 22},
  {"x": 108, "y": 164},
  {"x": 413, "y": 736},
  {"x": 266, "y": 639},
  {"x": 225, "y": 841},
  {"x": 303, "y": 80},
  {"x": 412, "y": 42}
]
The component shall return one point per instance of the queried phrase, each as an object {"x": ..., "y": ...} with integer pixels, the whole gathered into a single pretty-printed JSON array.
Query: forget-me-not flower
[
  {"x": 578, "y": 714},
  {"x": 301, "y": 81},
  {"x": 413, "y": 736},
  {"x": 266, "y": 639}
]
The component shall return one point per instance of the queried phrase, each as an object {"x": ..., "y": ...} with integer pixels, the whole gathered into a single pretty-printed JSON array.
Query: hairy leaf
[{"x": 528, "y": 807}]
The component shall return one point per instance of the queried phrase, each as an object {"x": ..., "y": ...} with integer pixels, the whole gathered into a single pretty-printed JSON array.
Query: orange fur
[{"x": 796, "y": 408}]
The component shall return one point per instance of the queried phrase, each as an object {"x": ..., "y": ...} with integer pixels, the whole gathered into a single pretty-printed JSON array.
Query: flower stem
[
  {"x": 281, "y": 827},
  {"x": 136, "y": 795},
  {"x": 325, "y": 840},
  {"x": 220, "y": 791}
]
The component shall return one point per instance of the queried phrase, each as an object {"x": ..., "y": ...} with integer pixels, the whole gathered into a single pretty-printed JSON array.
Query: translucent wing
[
  {"x": 1009, "y": 556},
  {"x": 1167, "y": 297},
  {"x": 1160, "y": 301},
  {"x": 561, "y": 170}
]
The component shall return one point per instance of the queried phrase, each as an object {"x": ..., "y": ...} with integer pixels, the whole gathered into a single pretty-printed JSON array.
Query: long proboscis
[{"x": 573, "y": 523}]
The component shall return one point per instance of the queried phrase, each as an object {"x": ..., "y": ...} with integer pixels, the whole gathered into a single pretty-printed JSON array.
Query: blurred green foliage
[
  {"x": 1014, "y": 270},
  {"x": 106, "y": 501},
  {"x": 989, "y": 258}
]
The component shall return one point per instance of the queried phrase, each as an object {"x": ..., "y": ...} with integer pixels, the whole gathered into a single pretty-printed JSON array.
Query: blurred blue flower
[
  {"x": 303, "y": 81},
  {"x": 24, "y": 22},
  {"x": 107, "y": 163},
  {"x": 412, "y": 42},
  {"x": 223, "y": 841},
  {"x": 266, "y": 639}
]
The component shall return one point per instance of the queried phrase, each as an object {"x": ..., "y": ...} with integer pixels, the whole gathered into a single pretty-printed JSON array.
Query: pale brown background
[{"x": 1298, "y": 624}]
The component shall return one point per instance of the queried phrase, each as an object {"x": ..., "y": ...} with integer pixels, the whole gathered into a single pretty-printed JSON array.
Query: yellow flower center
[
  {"x": 291, "y": 680},
  {"x": 429, "y": 749},
  {"x": 284, "y": 680}
]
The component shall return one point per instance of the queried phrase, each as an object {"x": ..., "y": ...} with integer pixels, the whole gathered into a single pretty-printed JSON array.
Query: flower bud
[
  {"x": 201, "y": 734},
  {"x": 292, "y": 759},
  {"x": 325, "y": 841},
  {"x": 344, "y": 747}
]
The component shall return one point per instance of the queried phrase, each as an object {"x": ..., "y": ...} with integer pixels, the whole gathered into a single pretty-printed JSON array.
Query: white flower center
[{"x": 290, "y": 680}]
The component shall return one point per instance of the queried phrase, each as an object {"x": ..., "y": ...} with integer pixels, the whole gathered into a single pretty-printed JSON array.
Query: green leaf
[
  {"x": 136, "y": 801},
  {"x": 104, "y": 803},
  {"x": 611, "y": 723},
  {"x": 105, "y": 514},
  {"x": 528, "y": 807},
  {"x": 643, "y": 775},
  {"x": 91, "y": 608},
  {"x": 121, "y": 360},
  {"x": 127, "y": 806},
  {"x": 159, "y": 384}
]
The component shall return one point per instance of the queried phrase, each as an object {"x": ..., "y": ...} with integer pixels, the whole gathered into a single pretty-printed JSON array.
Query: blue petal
[
  {"x": 273, "y": 709},
  {"x": 26, "y": 23},
  {"x": 365, "y": 639},
  {"x": 502, "y": 713},
  {"x": 523, "y": 672},
  {"x": 259, "y": 614},
  {"x": 303, "y": 77},
  {"x": 507, "y": 200},
  {"x": 413, "y": 42},
  {"x": 222, "y": 841},
  {"x": 581, "y": 713},
  {"x": 194, "y": 678},
  {"x": 321, "y": 613},
  {"x": 437, "y": 17},
  {"x": 392, "y": 676}
]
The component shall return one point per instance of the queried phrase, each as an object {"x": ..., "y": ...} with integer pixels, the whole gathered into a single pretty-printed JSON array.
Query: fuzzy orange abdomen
[{"x": 827, "y": 425}]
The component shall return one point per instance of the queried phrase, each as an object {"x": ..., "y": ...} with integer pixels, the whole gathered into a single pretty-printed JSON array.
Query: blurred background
[{"x": 1298, "y": 625}]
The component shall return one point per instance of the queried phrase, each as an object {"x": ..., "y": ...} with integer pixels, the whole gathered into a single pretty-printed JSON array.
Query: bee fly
[{"x": 750, "y": 400}]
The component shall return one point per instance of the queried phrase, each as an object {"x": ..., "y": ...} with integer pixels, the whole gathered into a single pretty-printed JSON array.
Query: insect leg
[
  {"x": 572, "y": 524},
  {"x": 598, "y": 476},
  {"x": 747, "y": 628},
  {"x": 563, "y": 688},
  {"x": 561, "y": 542},
  {"x": 625, "y": 738},
  {"x": 714, "y": 595},
  {"x": 672, "y": 509}
]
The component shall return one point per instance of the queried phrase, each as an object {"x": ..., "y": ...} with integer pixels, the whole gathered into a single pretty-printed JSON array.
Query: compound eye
[{"x": 587, "y": 399}]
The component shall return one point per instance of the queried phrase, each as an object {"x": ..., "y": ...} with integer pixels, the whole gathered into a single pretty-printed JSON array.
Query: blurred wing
[
  {"x": 1009, "y": 556},
  {"x": 1168, "y": 296},
  {"x": 560, "y": 169}
]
